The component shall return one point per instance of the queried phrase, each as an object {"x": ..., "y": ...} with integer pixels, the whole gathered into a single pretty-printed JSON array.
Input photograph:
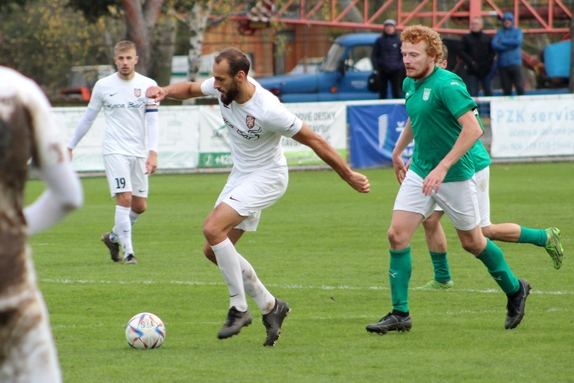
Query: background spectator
[
  {"x": 387, "y": 60},
  {"x": 507, "y": 42},
  {"x": 478, "y": 55}
]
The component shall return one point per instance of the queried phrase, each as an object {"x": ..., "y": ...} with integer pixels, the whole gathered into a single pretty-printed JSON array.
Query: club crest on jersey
[
  {"x": 137, "y": 92},
  {"x": 250, "y": 121},
  {"x": 426, "y": 94}
]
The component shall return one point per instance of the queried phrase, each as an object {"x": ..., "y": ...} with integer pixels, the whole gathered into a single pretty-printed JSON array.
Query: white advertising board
[{"x": 532, "y": 126}]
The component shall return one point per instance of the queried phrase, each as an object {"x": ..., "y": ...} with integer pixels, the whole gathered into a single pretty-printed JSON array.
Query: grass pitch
[{"x": 323, "y": 248}]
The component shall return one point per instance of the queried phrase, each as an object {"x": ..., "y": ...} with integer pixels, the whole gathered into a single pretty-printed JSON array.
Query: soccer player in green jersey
[
  {"x": 550, "y": 238},
  {"x": 443, "y": 122}
]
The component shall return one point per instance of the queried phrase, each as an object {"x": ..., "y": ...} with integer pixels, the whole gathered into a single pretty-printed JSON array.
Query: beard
[{"x": 230, "y": 95}]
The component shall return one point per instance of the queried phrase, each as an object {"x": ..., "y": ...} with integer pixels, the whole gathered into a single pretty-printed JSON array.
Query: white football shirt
[
  {"x": 255, "y": 128},
  {"x": 124, "y": 104}
]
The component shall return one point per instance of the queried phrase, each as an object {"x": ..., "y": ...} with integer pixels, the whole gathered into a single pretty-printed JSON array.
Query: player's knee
[
  {"x": 395, "y": 239},
  {"x": 139, "y": 209},
  {"x": 471, "y": 246},
  {"x": 210, "y": 231}
]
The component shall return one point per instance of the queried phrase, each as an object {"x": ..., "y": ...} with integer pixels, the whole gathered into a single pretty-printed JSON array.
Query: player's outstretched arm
[
  {"x": 179, "y": 91},
  {"x": 327, "y": 153}
]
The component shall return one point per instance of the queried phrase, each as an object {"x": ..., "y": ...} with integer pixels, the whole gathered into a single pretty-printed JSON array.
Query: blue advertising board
[{"x": 374, "y": 131}]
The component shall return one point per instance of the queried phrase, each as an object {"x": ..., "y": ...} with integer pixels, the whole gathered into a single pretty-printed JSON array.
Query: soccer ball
[{"x": 145, "y": 330}]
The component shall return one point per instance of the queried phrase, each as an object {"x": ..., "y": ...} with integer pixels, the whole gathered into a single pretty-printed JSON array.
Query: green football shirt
[
  {"x": 434, "y": 104},
  {"x": 479, "y": 152}
]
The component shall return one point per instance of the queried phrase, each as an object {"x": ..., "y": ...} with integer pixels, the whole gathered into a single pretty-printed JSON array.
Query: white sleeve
[
  {"x": 208, "y": 87},
  {"x": 152, "y": 117},
  {"x": 83, "y": 126},
  {"x": 63, "y": 194}
]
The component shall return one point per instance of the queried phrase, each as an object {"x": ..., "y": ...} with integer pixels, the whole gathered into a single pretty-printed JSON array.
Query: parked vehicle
[
  {"x": 307, "y": 65},
  {"x": 83, "y": 79},
  {"x": 342, "y": 75}
]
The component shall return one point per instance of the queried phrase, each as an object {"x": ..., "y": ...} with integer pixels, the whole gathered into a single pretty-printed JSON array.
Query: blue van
[{"x": 342, "y": 76}]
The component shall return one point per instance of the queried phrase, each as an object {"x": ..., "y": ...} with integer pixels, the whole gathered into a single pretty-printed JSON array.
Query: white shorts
[
  {"x": 482, "y": 179},
  {"x": 457, "y": 199},
  {"x": 126, "y": 174},
  {"x": 249, "y": 193}
]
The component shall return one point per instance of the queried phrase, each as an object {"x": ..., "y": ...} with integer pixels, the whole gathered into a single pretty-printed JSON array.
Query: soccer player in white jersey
[
  {"x": 122, "y": 96},
  {"x": 27, "y": 131},
  {"x": 256, "y": 120}
]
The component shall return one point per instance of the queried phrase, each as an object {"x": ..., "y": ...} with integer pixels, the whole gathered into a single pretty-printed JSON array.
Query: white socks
[
  {"x": 123, "y": 229},
  {"x": 254, "y": 288},
  {"x": 125, "y": 240},
  {"x": 241, "y": 278},
  {"x": 228, "y": 262},
  {"x": 133, "y": 217}
]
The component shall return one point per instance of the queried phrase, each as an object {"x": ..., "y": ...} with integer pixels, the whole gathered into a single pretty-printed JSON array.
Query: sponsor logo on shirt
[
  {"x": 251, "y": 134},
  {"x": 139, "y": 103},
  {"x": 250, "y": 121}
]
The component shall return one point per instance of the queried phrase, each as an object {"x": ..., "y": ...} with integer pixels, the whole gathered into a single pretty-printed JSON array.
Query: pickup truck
[{"x": 343, "y": 74}]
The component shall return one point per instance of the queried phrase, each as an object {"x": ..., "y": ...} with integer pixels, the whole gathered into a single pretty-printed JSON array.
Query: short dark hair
[{"x": 236, "y": 59}]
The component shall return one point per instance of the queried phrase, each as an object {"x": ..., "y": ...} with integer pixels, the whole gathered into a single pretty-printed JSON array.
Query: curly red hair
[{"x": 417, "y": 33}]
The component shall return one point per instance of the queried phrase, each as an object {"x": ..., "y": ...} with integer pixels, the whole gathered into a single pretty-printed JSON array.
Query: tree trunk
[
  {"x": 163, "y": 49},
  {"x": 140, "y": 21},
  {"x": 196, "y": 22}
]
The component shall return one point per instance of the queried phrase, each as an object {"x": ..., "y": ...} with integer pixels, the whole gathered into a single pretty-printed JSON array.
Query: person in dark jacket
[
  {"x": 507, "y": 42},
  {"x": 478, "y": 55},
  {"x": 387, "y": 60}
]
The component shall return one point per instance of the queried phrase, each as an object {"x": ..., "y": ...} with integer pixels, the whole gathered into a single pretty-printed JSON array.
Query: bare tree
[{"x": 198, "y": 21}]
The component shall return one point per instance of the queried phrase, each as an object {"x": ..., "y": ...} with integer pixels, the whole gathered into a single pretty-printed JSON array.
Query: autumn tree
[
  {"x": 140, "y": 17},
  {"x": 44, "y": 40}
]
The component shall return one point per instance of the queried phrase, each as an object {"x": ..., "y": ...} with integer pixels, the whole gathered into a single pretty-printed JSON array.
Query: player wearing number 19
[{"x": 127, "y": 110}]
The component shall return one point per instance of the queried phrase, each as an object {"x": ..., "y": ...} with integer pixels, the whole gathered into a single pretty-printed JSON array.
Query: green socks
[
  {"x": 536, "y": 237},
  {"x": 399, "y": 277},
  {"x": 494, "y": 261},
  {"x": 441, "y": 268}
]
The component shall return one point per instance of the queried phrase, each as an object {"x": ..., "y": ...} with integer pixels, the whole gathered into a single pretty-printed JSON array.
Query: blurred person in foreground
[
  {"x": 128, "y": 113},
  {"x": 256, "y": 121},
  {"x": 28, "y": 133},
  {"x": 443, "y": 123}
]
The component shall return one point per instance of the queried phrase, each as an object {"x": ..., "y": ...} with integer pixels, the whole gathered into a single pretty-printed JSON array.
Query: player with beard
[
  {"x": 28, "y": 132},
  {"x": 127, "y": 112},
  {"x": 443, "y": 123},
  {"x": 549, "y": 238},
  {"x": 256, "y": 120}
]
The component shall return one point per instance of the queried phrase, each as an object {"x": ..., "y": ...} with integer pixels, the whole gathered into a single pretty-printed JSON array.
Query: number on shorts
[{"x": 120, "y": 183}]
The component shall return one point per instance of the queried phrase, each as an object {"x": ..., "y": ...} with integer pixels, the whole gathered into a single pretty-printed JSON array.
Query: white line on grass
[{"x": 287, "y": 286}]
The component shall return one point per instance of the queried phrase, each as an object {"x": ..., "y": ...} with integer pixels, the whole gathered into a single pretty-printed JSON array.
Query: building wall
[{"x": 273, "y": 51}]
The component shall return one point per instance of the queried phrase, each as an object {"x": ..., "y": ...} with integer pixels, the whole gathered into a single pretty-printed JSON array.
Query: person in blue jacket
[{"x": 507, "y": 42}]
